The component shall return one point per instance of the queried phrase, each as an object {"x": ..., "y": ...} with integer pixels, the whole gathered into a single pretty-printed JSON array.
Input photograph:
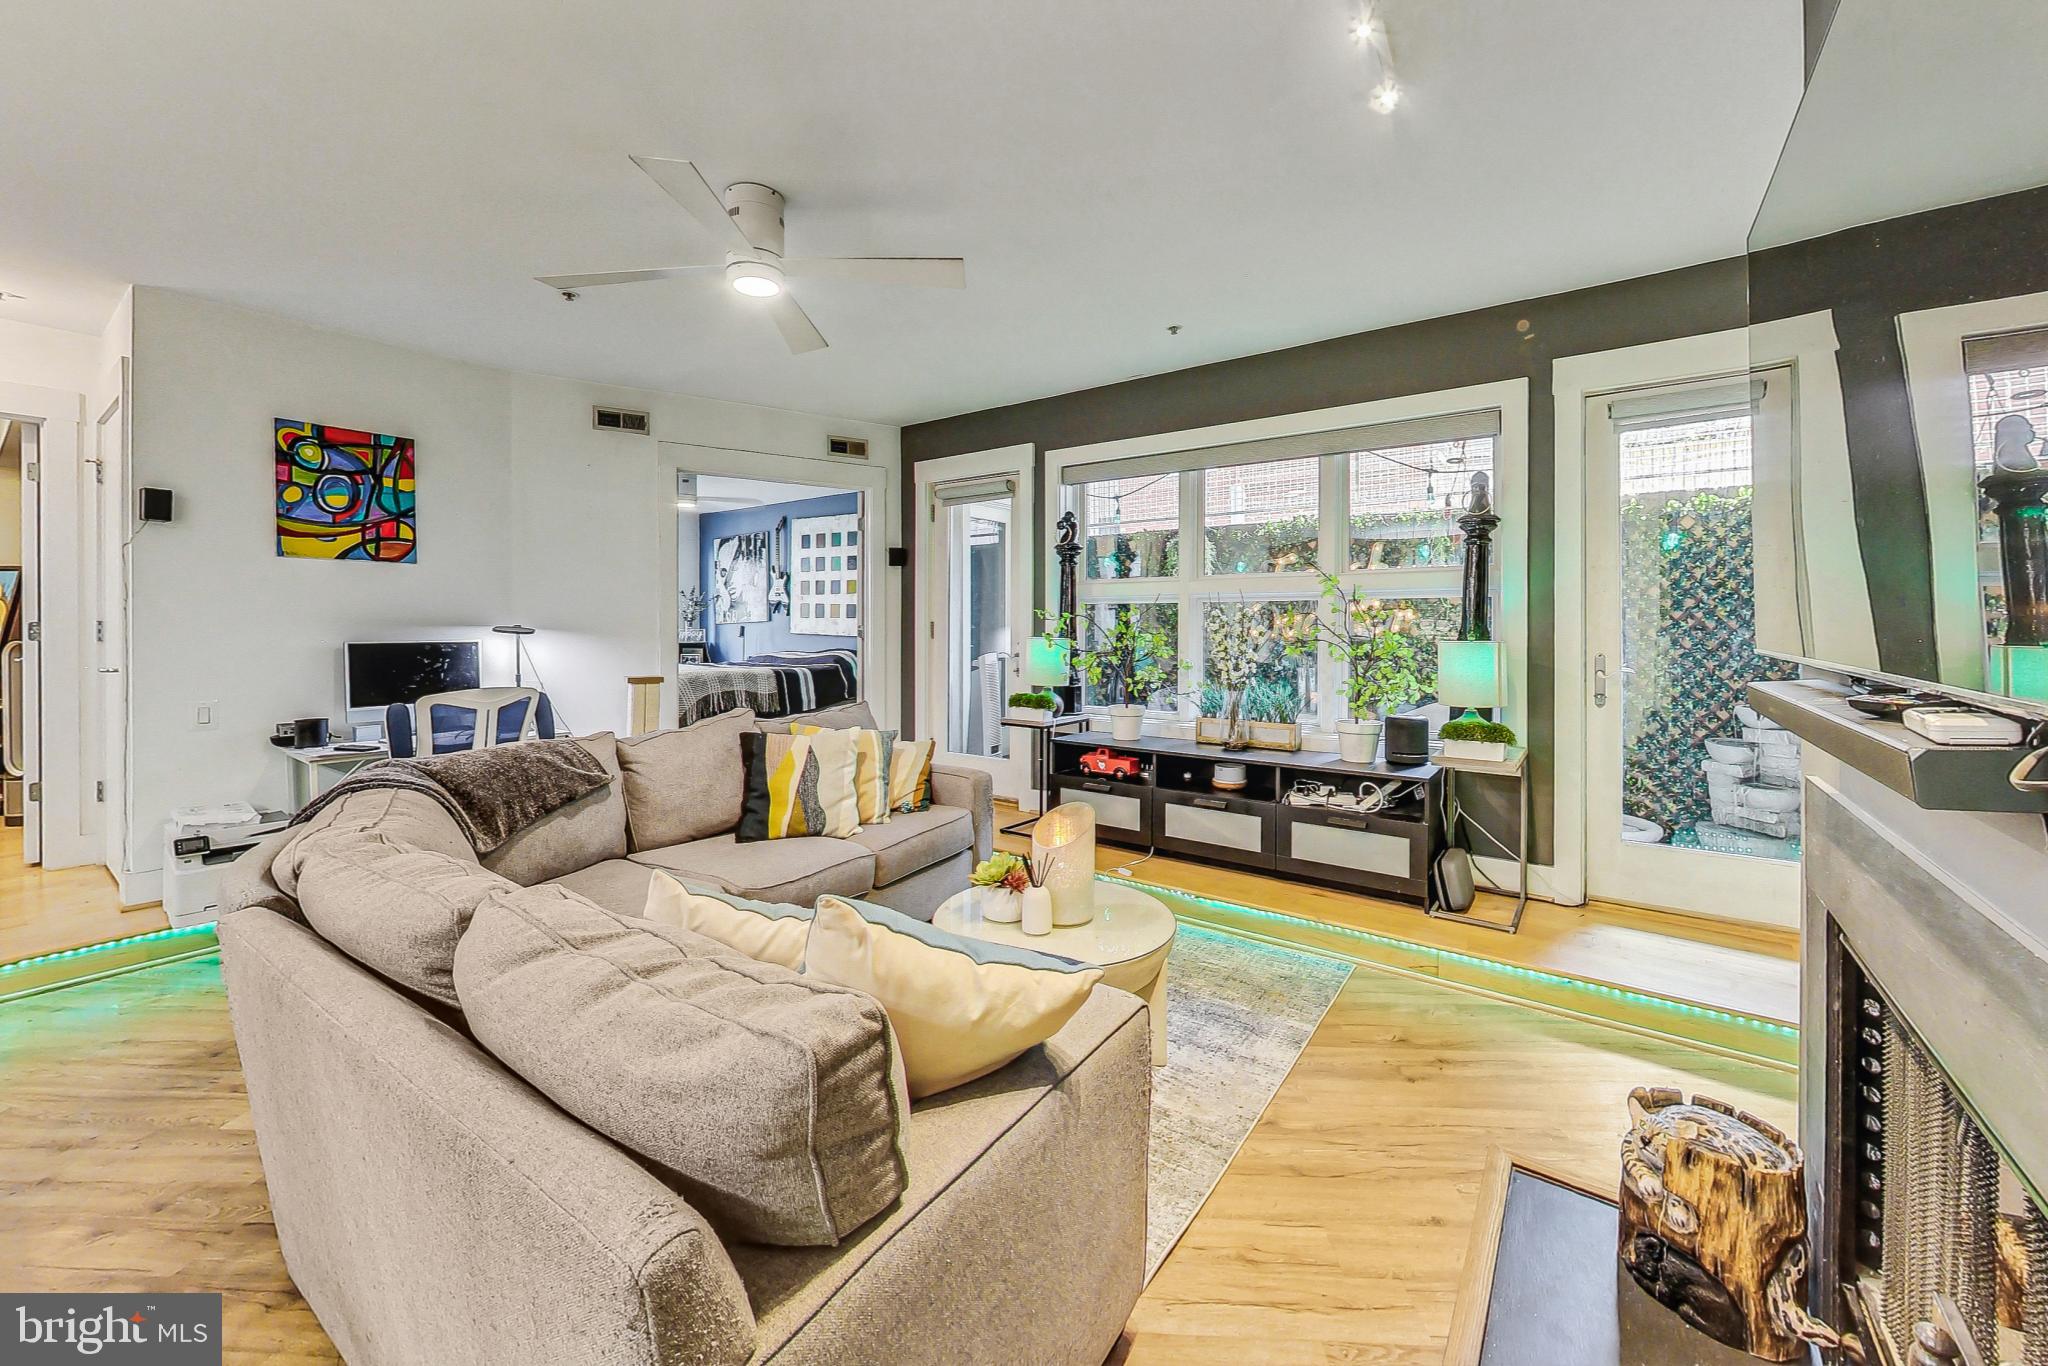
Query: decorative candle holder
[{"x": 1063, "y": 850}]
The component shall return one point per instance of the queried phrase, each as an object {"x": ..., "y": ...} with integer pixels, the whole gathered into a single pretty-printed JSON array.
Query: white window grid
[{"x": 1192, "y": 589}]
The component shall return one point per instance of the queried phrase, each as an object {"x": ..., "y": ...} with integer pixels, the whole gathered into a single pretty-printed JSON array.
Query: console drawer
[
  {"x": 1215, "y": 827},
  {"x": 1353, "y": 847},
  {"x": 1123, "y": 812}
]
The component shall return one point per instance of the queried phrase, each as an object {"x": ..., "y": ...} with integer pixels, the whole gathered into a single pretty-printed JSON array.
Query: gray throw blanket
[{"x": 492, "y": 793}]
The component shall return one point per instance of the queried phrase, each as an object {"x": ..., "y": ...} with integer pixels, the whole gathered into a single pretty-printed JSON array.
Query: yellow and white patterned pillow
[
  {"x": 910, "y": 775},
  {"x": 797, "y": 785},
  {"x": 870, "y": 768}
]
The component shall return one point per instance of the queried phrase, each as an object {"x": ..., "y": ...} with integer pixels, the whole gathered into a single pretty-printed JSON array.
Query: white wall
[
  {"x": 526, "y": 512},
  {"x": 48, "y": 358}
]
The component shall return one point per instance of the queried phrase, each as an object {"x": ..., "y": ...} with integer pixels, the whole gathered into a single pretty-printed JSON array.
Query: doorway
[
  {"x": 974, "y": 580},
  {"x": 1692, "y": 799}
]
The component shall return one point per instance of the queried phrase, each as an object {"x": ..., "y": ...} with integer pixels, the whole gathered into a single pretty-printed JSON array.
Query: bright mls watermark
[{"x": 163, "y": 1330}]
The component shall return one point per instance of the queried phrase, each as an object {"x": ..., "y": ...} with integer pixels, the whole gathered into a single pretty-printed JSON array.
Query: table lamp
[
  {"x": 2019, "y": 671},
  {"x": 1048, "y": 663},
  {"x": 1468, "y": 675}
]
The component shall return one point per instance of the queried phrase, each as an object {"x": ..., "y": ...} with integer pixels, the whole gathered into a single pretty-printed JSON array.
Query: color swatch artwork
[
  {"x": 825, "y": 581},
  {"x": 344, "y": 494}
]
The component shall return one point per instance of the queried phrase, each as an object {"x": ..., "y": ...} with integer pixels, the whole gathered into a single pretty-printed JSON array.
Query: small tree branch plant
[
  {"x": 1241, "y": 638},
  {"x": 1376, "y": 642},
  {"x": 1123, "y": 660}
]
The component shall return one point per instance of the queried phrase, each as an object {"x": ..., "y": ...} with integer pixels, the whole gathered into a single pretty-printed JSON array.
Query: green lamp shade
[
  {"x": 1046, "y": 661},
  {"x": 1468, "y": 673},
  {"x": 2020, "y": 671}
]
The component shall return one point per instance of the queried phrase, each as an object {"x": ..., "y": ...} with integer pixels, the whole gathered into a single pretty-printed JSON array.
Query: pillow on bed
[
  {"x": 871, "y": 754},
  {"x": 798, "y": 785}
]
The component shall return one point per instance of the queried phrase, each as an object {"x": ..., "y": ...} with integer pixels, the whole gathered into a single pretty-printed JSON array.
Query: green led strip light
[
  {"x": 182, "y": 931},
  {"x": 1644, "y": 998}
]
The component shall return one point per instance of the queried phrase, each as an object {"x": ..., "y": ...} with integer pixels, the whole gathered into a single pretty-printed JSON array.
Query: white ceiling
[
  {"x": 401, "y": 170},
  {"x": 1912, "y": 106}
]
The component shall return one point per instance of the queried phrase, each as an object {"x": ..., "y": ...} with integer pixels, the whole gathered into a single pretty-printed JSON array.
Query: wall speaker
[
  {"x": 899, "y": 558},
  {"x": 1407, "y": 741},
  {"x": 153, "y": 505}
]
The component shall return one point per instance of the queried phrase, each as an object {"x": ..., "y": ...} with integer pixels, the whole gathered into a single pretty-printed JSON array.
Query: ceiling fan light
[{"x": 755, "y": 279}]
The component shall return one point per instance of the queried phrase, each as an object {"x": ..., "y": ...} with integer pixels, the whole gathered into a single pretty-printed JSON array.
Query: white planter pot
[
  {"x": 1484, "y": 751},
  {"x": 1029, "y": 714},
  {"x": 1358, "y": 742},
  {"x": 1000, "y": 905},
  {"x": 1126, "y": 723}
]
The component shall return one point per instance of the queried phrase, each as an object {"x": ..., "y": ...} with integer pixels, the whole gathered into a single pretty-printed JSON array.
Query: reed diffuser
[{"x": 1037, "y": 917}]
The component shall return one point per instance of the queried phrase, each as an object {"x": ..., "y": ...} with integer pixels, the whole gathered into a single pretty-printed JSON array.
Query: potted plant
[
  {"x": 690, "y": 616},
  {"x": 1003, "y": 879},
  {"x": 1382, "y": 664},
  {"x": 1125, "y": 661},
  {"x": 1240, "y": 639},
  {"x": 1471, "y": 737},
  {"x": 1273, "y": 715},
  {"x": 1032, "y": 706}
]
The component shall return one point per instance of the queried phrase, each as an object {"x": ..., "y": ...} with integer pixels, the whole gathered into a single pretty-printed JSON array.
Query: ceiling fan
[{"x": 747, "y": 221}]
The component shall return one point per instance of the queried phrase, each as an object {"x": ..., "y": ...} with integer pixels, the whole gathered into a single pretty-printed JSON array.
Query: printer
[{"x": 199, "y": 843}]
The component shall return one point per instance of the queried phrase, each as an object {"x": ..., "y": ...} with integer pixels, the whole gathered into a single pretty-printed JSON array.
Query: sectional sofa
[{"x": 433, "y": 1204}]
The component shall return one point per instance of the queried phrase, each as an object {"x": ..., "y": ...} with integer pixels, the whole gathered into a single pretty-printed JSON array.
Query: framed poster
[
  {"x": 739, "y": 570},
  {"x": 343, "y": 494},
  {"x": 824, "y": 575}
]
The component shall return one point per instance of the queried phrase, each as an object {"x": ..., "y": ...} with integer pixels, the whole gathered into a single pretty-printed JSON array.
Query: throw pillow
[
  {"x": 588, "y": 830},
  {"x": 684, "y": 785},
  {"x": 797, "y": 785},
  {"x": 767, "y": 931},
  {"x": 775, "y": 1102},
  {"x": 870, "y": 768},
  {"x": 961, "y": 1008},
  {"x": 910, "y": 776}
]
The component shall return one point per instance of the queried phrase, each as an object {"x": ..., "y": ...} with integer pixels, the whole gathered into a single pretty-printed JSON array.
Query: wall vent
[
  {"x": 621, "y": 420},
  {"x": 850, "y": 447}
]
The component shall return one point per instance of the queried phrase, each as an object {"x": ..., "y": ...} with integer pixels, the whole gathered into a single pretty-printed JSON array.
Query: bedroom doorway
[{"x": 770, "y": 595}]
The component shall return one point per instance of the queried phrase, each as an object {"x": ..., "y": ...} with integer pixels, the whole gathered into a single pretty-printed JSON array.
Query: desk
[
  {"x": 1042, "y": 732},
  {"x": 309, "y": 766},
  {"x": 1515, "y": 766}
]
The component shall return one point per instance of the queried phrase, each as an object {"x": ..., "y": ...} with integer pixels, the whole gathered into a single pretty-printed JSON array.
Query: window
[
  {"x": 1376, "y": 506},
  {"x": 1405, "y": 502},
  {"x": 1262, "y": 519},
  {"x": 1133, "y": 528},
  {"x": 1163, "y": 617},
  {"x": 2008, "y": 408}
]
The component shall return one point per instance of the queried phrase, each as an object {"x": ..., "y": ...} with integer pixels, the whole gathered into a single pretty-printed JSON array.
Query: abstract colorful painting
[{"x": 344, "y": 494}]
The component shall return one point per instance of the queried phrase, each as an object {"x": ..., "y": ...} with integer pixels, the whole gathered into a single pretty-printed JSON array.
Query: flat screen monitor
[{"x": 383, "y": 672}]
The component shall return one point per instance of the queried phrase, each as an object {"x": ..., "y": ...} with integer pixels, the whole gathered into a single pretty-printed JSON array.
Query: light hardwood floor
[
  {"x": 1336, "y": 1235},
  {"x": 43, "y": 912}
]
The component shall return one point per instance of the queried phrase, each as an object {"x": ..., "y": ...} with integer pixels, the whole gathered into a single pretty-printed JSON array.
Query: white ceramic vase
[
  {"x": 1358, "y": 742},
  {"x": 1127, "y": 723},
  {"x": 1036, "y": 910},
  {"x": 1001, "y": 906}
]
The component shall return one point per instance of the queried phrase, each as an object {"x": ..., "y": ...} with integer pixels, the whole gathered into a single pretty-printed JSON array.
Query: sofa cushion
[
  {"x": 684, "y": 784},
  {"x": 793, "y": 870},
  {"x": 961, "y": 1007},
  {"x": 407, "y": 817},
  {"x": 871, "y": 750},
  {"x": 775, "y": 1102},
  {"x": 844, "y": 716},
  {"x": 397, "y": 910},
  {"x": 588, "y": 830},
  {"x": 619, "y": 885},
  {"x": 913, "y": 841}
]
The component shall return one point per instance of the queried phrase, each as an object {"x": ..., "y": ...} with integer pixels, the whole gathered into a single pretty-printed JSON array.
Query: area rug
[{"x": 1238, "y": 1014}]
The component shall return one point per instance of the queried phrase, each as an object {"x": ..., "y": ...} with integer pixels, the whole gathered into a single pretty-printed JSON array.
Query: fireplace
[{"x": 1924, "y": 1077}]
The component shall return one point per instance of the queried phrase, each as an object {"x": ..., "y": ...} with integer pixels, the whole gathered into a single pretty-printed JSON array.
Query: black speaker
[
  {"x": 310, "y": 733},
  {"x": 899, "y": 558},
  {"x": 153, "y": 505},
  {"x": 1407, "y": 741}
]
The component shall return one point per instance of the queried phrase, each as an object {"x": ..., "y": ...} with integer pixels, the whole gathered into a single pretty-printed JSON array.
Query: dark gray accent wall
[{"x": 1517, "y": 340}]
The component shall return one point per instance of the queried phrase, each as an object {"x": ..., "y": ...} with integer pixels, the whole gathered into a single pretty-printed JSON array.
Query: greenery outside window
[
  {"x": 1160, "y": 616},
  {"x": 1404, "y": 502},
  {"x": 1262, "y": 519},
  {"x": 1133, "y": 528}
]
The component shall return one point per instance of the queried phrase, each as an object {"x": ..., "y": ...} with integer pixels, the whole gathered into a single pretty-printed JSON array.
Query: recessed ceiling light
[
  {"x": 1386, "y": 96},
  {"x": 755, "y": 279},
  {"x": 8, "y": 296}
]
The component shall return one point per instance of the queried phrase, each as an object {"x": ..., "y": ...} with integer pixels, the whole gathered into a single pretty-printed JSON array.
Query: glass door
[
  {"x": 976, "y": 604},
  {"x": 1692, "y": 798}
]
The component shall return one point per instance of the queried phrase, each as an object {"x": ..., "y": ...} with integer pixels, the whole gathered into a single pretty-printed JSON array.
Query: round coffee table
[{"x": 1128, "y": 939}]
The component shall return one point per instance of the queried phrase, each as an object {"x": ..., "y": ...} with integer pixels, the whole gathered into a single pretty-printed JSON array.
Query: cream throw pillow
[
  {"x": 960, "y": 1008},
  {"x": 761, "y": 930}
]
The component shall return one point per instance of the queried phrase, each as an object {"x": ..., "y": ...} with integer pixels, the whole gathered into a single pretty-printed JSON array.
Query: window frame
[{"x": 1191, "y": 589}]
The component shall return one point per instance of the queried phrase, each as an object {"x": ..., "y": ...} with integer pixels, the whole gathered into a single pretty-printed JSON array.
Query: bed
[{"x": 780, "y": 684}]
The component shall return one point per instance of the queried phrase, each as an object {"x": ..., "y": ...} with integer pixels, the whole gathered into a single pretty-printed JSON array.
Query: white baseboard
[{"x": 139, "y": 889}]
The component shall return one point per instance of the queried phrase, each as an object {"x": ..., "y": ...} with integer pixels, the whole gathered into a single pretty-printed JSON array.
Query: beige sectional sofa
[{"x": 433, "y": 1205}]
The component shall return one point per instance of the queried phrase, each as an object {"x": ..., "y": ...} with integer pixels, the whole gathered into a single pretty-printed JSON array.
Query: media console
[{"x": 1172, "y": 804}]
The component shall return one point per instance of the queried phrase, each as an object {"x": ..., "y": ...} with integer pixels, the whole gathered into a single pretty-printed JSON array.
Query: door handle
[
  {"x": 10, "y": 710},
  {"x": 109, "y": 671},
  {"x": 1599, "y": 680},
  {"x": 1210, "y": 803}
]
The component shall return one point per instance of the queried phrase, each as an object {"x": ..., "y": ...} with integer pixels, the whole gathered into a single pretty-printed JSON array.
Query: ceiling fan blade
[
  {"x": 794, "y": 324},
  {"x": 936, "y": 272},
  {"x": 624, "y": 277},
  {"x": 685, "y": 184}
]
